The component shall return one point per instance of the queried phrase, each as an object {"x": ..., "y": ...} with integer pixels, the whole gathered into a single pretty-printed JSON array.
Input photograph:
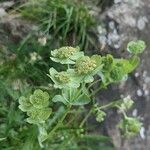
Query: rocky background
[
  {"x": 127, "y": 20},
  {"x": 119, "y": 22}
]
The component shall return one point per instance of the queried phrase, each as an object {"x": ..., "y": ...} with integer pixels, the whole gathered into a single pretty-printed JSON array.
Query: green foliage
[
  {"x": 126, "y": 104},
  {"x": 100, "y": 114},
  {"x": 73, "y": 87},
  {"x": 85, "y": 65},
  {"x": 115, "y": 70},
  {"x": 36, "y": 107},
  {"x": 66, "y": 55},
  {"x": 39, "y": 99},
  {"x": 61, "y": 18},
  {"x": 73, "y": 96},
  {"x": 136, "y": 47},
  {"x": 63, "y": 79},
  {"x": 130, "y": 126}
]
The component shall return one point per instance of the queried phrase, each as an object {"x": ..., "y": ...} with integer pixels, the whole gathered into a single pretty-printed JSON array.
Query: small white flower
[
  {"x": 34, "y": 56},
  {"x": 42, "y": 41}
]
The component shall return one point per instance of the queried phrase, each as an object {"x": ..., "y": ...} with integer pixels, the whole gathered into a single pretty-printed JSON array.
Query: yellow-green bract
[{"x": 36, "y": 106}]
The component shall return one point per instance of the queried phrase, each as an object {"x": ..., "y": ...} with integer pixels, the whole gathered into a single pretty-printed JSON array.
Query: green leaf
[
  {"x": 134, "y": 62},
  {"x": 83, "y": 99},
  {"x": 73, "y": 96},
  {"x": 39, "y": 99},
  {"x": 88, "y": 79},
  {"x": 42, "y": 135},
  {"x": 59, "y": 98},
  {"x": 129, "y": 65},
  {"x": 77, "y": 56},
  {"x": 25, "y": 104},
  {"x": 136, "y": 47},
  {"x": 62, "y": 61},
  {"x": 38, "y": 115},
  {"x": 77, "y": 96}
]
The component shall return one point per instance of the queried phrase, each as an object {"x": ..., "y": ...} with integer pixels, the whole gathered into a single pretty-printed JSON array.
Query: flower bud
[
  {"x": 107, "y": 62},
  {"x": 117, "y": 73},
  {"x": 100, "y": 115}
]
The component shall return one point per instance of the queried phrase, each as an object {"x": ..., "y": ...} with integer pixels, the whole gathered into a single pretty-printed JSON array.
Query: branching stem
[{"x": 59, "y": 122}]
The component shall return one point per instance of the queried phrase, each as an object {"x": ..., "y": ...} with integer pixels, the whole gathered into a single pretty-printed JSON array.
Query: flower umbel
[
  {"x": 64, "y": 52},
  {"x": 130, "y": 126},
  {"x": 136, "y": 47},
  {"x": 62, "y": 77},
  {"x": 66, "y": 55},
  {"x": 85, "y": 64}
]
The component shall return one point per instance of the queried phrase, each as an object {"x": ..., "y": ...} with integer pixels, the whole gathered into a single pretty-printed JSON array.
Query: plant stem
[
  {"x": 93, "y": 83},
  {"x": 59, "y": 122},
  {"x": 112, "y": 104},
  {"x": 93, "y": 93},
  {"x": 86, "y": 117}
]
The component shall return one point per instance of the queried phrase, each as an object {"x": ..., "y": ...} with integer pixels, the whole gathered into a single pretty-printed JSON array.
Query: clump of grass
[{"x": 64, "y": 20}]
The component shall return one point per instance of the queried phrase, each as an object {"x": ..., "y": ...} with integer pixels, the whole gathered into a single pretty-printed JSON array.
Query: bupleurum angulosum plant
[{"x": 74, "y": 89}]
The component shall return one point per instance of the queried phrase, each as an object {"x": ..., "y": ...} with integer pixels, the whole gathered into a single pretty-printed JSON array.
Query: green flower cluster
[
  {"x": 36, "y": 106},
  {"x": 107, "y": 62},
  {"x": 117, "y": 73},
  {"x": 100, "y": 115},
  {"x": 130, "y": 126},
  {"x": 64, "y": 52},
  {"x": 115, "y": 70},
  {"x": 126, "y": 104},
  {"x": 136, "y": 47},
  {"x": 85, "y": 64},
  {"x": 63, "y": 79},
  {"x": 74, "y": 87},
  {"x": 66, "y": 55}
]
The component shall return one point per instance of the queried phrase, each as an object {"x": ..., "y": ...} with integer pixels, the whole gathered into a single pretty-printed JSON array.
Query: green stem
[
  {"x": 86, "y": 117},
  {"x": 75, "y": 116},
  {"x": 59, "y": 122},
  {"x": 93, "y": 83},
  {"x": 112, "y": 104},
  {"x": 93, "y": 93}
]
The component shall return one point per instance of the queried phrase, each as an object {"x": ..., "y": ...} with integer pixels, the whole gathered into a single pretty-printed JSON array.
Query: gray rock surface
[{"x": 129, "y": 20}]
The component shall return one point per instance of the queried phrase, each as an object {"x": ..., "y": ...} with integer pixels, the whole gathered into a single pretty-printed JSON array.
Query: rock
[
  {"x": 2, "y": 12},
  {"x": 6, "y": 4},
  {"x": 129, "y": 20}
]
